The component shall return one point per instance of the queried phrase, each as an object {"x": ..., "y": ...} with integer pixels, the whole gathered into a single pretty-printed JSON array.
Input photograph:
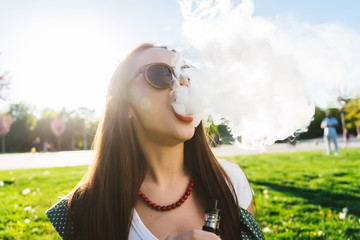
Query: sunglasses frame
[{"x": 143, "y": 70}]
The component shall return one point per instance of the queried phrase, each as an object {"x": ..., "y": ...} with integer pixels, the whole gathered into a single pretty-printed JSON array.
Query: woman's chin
[{"x": 185, "y": 133}]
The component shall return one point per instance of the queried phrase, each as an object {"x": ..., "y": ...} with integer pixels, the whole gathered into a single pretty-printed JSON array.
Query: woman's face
[{"x": 150, "y": 109}]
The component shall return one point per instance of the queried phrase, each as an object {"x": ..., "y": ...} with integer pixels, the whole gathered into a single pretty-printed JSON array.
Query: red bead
[{"x": 171, "y": 206}]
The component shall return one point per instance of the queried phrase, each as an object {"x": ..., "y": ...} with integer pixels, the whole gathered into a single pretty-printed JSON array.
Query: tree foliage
[
  {"x": 314, "y": 129},
  {"x": 22, "y": 130},
  {"x": 81, "y": 123},
  {"x": 26, "y": 127},
  {"x": 352, "y": 114}
]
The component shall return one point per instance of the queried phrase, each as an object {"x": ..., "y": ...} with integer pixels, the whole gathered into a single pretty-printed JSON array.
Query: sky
[{"x": 63, "y": 53}]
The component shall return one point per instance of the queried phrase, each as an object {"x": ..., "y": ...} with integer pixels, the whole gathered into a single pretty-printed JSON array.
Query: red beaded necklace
[{"x": 171, "y": 206}]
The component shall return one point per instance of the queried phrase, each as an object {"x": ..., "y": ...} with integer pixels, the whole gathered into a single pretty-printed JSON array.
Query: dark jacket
[{"x": 59, "y": 217}]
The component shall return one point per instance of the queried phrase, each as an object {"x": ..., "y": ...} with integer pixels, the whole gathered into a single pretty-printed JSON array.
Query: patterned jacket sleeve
[
  {"x": 250, "y": 229},
  {"x": 59, "y": 217}
]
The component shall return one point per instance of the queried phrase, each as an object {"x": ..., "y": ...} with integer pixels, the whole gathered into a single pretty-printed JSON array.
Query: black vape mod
[{"x": 212, "y": 218}]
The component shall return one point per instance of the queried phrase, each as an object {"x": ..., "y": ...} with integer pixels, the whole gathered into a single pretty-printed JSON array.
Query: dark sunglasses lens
[{"x": 159, "y": 75}]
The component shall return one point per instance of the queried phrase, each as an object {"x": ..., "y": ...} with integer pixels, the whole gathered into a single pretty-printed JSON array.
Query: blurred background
[{"x": 57, "y": 58}]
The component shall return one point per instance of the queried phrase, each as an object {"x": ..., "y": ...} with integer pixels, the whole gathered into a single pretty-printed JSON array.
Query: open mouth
[{"x": 187, "y": 119}]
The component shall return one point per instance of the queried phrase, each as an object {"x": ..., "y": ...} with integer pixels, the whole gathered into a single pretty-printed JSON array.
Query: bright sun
[{"x": 66, "y": 62}]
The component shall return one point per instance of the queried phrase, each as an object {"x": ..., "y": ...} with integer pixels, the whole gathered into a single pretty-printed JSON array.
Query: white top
[{"x": 138, "y": 231}]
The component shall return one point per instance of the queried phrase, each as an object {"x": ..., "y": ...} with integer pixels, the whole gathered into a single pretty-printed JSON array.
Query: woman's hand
[{"x": 193, "y": 235}]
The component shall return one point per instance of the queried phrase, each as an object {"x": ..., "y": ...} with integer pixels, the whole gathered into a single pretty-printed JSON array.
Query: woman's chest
[{"x": 162, "y": 224}]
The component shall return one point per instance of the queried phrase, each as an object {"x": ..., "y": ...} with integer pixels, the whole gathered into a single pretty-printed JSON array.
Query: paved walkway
[
  {"x": 303, "y": 145},
  {"x": 78, "y": 158},
  {"x": 46, "y": 159}
]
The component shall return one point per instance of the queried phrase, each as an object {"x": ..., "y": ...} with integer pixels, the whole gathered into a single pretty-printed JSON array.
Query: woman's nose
[{"x": 184, "y": 81}]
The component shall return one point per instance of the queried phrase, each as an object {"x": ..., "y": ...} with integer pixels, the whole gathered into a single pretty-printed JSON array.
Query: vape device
[{"x": 212, "y": 218}]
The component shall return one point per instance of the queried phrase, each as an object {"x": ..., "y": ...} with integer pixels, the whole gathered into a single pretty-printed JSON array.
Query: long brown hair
[{"x": 101, "y": 206}]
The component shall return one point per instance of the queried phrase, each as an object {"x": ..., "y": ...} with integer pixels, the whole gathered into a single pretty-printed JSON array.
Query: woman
[{"x": 154, "y": 173}]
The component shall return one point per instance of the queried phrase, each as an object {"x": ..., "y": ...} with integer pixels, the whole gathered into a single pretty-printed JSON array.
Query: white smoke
[
  {"x": 263, "y": 76},
  {"x": 328, "y": 57},
  {"x": 181, "y": 96}
]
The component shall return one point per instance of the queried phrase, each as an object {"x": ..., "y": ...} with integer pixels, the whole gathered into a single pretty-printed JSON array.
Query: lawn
[
  {"x": 306, "y": 195},
  {"x": 22, "y": 216},
  {"x": 303, "y": 195}
]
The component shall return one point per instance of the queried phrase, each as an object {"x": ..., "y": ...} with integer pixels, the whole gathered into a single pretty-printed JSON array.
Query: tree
[
  {"x": 218, "y": 134},
  {"x": 21, "y": 134},
  {"x": 352, "y": 114},
  {"x": 314, "y": 129},
  {"x": 5, "y": 126},
  {"x": 43, "y": 129},
  {"x": 73, "y": 136},
  {"x": 5, "y": 118},
  {"x": 26, "y": 127},
  {"x": 4, "y": 84},
  {"x": 86, "y": 115}
]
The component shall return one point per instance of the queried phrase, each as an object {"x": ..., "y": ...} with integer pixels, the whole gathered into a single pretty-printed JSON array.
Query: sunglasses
[{"x": 158, "y": 75}]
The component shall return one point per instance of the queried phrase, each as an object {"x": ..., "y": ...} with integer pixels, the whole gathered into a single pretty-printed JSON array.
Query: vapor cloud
[{"x": 264, "y": 76}]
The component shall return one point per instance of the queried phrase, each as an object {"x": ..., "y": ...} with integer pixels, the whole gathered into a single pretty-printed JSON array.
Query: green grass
[
  {"x": 46, "y": 186},
  {"x": 297, "y": 195},
  {"x": 300, "y": 195}
]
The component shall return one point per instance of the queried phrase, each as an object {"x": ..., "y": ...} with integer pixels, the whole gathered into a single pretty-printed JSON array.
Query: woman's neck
[{"x": 164, "y": 163}]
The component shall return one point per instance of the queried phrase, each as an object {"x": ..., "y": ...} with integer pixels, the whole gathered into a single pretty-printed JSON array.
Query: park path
[
  {"x": 301, "y": 146},
  {"x": 78, "y": 158}
]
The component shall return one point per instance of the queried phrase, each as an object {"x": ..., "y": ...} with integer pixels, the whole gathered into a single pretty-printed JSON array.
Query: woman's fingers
[{"x": 193, "y": 235}]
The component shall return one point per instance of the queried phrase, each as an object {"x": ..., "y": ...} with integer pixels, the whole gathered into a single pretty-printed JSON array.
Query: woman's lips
[{"x": 183, "y": 118}]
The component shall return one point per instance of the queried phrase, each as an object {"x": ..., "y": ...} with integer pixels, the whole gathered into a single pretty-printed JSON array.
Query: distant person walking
[
  {"x": 329, "y": 125},
  {"x": 37, "y": 144}
]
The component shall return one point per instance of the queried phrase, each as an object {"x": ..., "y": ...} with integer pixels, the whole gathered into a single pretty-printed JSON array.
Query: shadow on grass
[{"x": 325, "y": 198}]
